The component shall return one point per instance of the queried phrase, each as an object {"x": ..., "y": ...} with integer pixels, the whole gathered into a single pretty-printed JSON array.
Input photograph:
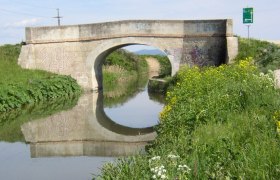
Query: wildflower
[
  {"x": 159, "y": 172},
  {"x": 184, "y": 168},
  {"x": 278, "y": 126},
  {"x": 158, "y": 169},
  {"x": 154, "y": 158},
  {"x": 172, "y": 156}
]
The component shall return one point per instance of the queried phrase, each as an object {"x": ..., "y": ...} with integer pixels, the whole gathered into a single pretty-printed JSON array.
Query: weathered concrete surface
[
  {"x": 79, "y": 50},
  {"x": 84, "y": 130}
]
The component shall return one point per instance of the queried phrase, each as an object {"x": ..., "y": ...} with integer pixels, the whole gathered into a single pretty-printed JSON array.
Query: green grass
[
  {"x": 218, "y": 123},
  {"x": 266, "y": 55},
  {"x": 11, "y": 72}
]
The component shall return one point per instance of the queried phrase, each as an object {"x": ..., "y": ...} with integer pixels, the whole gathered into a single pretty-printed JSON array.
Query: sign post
[{"x": 248, "y": 18}]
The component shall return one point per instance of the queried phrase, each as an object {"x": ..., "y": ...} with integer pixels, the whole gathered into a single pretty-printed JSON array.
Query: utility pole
[
  {"x": 248, "y": 33},
  {"x": 58, "y": 17}
]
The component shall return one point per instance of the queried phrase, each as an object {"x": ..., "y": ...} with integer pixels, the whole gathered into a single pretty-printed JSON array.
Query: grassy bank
[
  {"x": 121, "y": 69},
  {"x": 266, "y": 55},
  {"x": 219, "y": 123},
  {"x": 218, "y": 128},
  {"x": 21, "y": 86}
]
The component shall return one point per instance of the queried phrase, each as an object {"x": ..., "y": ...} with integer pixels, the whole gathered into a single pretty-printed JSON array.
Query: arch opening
[
  {"x": 124, "y": 84},
  {"x": 131, "y": 48}
]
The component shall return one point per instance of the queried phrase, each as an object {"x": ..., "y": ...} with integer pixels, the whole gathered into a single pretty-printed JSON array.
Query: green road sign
[{"x": 247, "y": 15}]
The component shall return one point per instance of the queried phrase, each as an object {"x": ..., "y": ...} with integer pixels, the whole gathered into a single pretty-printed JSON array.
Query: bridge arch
[{"x": 97, "y": 56}]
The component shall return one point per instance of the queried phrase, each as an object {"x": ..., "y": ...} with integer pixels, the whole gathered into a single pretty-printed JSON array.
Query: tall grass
[
  {"x": 219, "y": 123},
  {"x": 266, "y": 55}
]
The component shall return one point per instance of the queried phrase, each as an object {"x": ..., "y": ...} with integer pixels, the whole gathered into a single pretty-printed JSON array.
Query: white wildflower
[
  {"x": 154, "y": 158},
  {"x": 184, "y": 168},
  {"x": 172, "y": 156}
]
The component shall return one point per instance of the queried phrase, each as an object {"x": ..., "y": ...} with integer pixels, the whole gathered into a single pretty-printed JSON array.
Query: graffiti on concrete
[
  {"x": 196, "y": 55},
  {"x": 175, "y": 53}
]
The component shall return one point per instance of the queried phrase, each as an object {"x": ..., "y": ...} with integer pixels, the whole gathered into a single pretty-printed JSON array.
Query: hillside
[{"x": 150, "y": 52}]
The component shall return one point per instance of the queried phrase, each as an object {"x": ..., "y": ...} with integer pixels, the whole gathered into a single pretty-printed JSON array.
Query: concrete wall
[{"x": 79, "y": 50}]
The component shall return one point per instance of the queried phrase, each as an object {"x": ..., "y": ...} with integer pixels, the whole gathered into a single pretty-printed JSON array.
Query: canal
[{"x": 72, "y": 139}]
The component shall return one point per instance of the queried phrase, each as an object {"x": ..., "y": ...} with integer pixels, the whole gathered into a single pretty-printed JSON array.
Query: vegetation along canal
[{"x": 71, "y": 138}]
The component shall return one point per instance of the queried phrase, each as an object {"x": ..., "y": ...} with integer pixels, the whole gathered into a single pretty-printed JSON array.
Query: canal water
[{"x": 72, "y": 139}]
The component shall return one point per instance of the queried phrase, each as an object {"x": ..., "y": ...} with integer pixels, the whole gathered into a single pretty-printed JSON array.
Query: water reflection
[
  {"x": 84, "y": 130},
  {"x": 10, "y": 122},
  {"x": 138, "y": 112}
]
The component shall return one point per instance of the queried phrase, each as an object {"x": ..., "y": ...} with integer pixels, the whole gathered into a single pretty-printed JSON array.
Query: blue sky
[{"x": 17, "y": 14}]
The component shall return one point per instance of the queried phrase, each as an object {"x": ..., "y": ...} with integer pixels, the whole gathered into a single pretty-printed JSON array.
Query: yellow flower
[{"x": 278, "y": 124}]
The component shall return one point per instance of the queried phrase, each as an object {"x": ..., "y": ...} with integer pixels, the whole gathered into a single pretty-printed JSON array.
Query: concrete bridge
[{"x": 78, "y": 50}]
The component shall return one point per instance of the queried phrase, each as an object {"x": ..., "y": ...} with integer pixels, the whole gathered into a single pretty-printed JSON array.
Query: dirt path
[{"x": 154, "y": 66}]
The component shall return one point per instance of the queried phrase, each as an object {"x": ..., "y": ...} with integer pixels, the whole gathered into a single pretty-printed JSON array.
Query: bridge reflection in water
[{"x": 84, "y": 130}]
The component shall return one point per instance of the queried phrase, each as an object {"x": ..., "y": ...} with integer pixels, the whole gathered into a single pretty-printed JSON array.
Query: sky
[{"x": 15, "y": 15}]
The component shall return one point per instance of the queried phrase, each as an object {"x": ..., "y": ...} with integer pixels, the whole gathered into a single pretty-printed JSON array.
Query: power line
[
  {"x": 32, "y": 5},
  {"x": 21, "y": 13}
]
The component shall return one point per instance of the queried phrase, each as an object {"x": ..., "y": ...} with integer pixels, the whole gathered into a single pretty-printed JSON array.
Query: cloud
[{"x": 23, "y": 23}]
